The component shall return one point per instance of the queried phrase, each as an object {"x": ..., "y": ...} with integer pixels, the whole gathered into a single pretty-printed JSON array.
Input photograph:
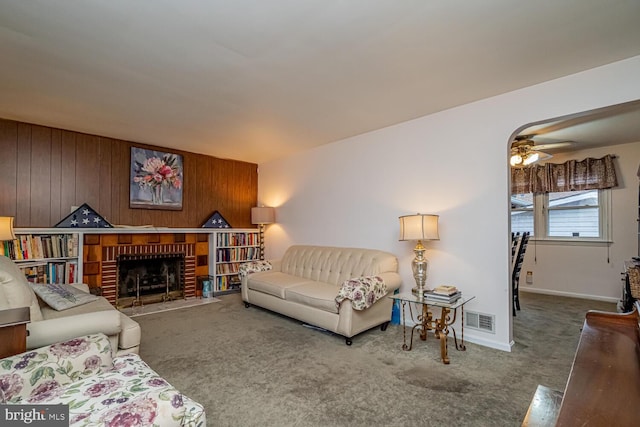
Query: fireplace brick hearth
[{"x": 101, "y": 254}]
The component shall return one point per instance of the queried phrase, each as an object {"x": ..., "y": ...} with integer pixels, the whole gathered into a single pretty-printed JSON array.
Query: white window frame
[{"x": 541, "y": 220}]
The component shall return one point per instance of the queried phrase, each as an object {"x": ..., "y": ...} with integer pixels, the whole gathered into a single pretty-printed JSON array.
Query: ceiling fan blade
[
  {"x": 541, "y": 156},
  {"x": 553, "y": 145}
]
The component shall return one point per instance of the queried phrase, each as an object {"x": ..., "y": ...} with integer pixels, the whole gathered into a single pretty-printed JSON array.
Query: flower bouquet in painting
[{"x": 156, "y": 180}]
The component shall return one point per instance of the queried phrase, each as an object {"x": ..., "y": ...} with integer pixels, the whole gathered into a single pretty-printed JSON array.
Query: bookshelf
[
  {"x": 230, "y": 248},
  {"x": 219, "y": 252},
  {"x": 46, "y": 257}
]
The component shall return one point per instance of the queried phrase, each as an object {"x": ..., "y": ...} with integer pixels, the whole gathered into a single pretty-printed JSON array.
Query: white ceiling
[
  {"x": 256, "y": 80},
  {"x": 613, "y": 125}
]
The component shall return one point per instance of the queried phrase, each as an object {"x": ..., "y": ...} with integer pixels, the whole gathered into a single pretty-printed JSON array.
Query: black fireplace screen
[{"x": 152, "y": 274}]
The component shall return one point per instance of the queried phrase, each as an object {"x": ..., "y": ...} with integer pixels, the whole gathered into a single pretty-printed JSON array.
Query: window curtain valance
[{"x": 572, "y": 175}]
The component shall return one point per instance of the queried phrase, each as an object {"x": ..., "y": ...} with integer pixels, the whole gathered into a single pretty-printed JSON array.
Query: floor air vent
[{"x": 482, "y": 322}]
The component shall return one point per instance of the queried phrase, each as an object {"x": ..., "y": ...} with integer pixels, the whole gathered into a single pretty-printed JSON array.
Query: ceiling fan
[{"x": 525, "y": 152}]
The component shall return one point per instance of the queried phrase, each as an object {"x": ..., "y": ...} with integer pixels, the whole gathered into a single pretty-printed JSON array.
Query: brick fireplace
[{"x": 102, "y": 252}]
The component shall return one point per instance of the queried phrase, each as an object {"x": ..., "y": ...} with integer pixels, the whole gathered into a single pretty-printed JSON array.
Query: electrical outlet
[{"x": 529, "y": 277}]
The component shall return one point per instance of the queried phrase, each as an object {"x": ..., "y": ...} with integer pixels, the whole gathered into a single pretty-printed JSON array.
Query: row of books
[
  {"x": 51, "y": 272},
  {"x": 237, "y": 239},
  {"x": 227, "y": 268},
  {"x": 227, "y": 283},
  {"x": 40, "y": 246},
  {"x": 237, "y": 254}
]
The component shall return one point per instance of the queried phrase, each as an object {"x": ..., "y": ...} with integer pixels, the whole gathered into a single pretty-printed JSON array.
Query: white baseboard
[
  {"x": 488, "y": 343},
  {"x": 570, "y": 294},
  {"x": 470, "y": 336}
]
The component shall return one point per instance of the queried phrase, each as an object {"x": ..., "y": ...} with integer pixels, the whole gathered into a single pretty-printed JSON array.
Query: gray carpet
[{"x": 251, "y": 367}]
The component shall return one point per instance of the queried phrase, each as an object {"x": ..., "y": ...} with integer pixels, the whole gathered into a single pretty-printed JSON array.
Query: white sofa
[
  {"x": 48, "y": 326},
  {"x": 305, "y": 282}
]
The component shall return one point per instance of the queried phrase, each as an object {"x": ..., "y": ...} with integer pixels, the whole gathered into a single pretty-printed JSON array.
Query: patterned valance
[{"x": 572, "y": 175}]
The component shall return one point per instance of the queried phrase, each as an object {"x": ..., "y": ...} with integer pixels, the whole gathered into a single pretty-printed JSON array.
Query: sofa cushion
[
  {"x": 335, "y": 265},
  {"x": 314, "y": 294},
  {"x": 15, "y": 291},
  {"x": 100, "y": 304},
  {"x": 274, "y": 282},
  {"x": 62, "y": 297},
  {"x": 40, "y": 375}
]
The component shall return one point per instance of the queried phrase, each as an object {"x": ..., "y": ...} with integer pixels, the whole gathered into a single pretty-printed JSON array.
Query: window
[
  {"x": 522, "y": 213},
  {"x": 573, "y": 215}
]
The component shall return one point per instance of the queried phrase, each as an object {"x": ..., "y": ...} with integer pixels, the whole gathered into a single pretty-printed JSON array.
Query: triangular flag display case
[
  {"x": 216, "y": 221},
  {"x": 84, "y": 217}
]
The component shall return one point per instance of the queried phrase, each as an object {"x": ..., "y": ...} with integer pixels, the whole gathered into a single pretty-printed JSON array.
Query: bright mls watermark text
[{"x": 34, "y": 415}]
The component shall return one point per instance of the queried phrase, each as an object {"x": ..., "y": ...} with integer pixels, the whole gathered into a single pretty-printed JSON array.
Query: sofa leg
[
  {"x": 383, "y": 327},
  {"x": 247, "y": 305},
  {"x": 348, "y": 341}
]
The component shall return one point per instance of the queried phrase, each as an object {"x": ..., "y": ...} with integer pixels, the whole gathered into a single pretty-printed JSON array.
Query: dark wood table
[
  {"x": 13, "y": 331},
  {"x": 604, "y": 384}
]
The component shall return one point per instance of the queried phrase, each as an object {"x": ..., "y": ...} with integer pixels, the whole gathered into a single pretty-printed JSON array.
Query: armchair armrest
[{"x": 50, "y": 331}]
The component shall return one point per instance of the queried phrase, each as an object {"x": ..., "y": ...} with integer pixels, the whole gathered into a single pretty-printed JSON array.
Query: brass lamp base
[{"x": 419, "y": 267}]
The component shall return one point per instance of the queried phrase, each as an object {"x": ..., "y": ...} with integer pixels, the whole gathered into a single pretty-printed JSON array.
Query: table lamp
[
  {"x": 419, "y": 227},
  {"x": 6, "y": 228},
  {"x": 262, "y": 215}
]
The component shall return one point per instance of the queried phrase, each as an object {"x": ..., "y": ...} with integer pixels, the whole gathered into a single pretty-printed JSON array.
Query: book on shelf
[
  {"x": 36, "y": 246},
  {"x": 50, "y": 272}
]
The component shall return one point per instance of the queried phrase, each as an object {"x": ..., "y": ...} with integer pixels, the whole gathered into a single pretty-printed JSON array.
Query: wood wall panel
[
  {"x": 40, "y": 178},
  {"x": 68, "y": 174},
  {"x": 56, "y": 210},
  {"x": 48, "y": 170},
  {"x": 8, "y": 166},
  {"x": 105, "y": 193},
  {"x": 23, "y": 184}
]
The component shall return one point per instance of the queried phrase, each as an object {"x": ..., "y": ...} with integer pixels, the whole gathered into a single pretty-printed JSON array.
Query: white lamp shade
[
  {"x": 263, "y": 215},
  {"x": 6, "y": 228},
  {"x": 419, "y": 227}
]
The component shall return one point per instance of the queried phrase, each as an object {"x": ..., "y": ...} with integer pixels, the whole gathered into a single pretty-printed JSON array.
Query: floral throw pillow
[
  {"x": 61, "y": 297},
  {"x": 253, "y": 267},
  {"x": 40, "y": 375}
]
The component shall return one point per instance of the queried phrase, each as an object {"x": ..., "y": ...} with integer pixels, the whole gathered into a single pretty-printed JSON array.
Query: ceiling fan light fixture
[
  {"x": 531, "y": 158},
  {"x": 515, "y": 160}
]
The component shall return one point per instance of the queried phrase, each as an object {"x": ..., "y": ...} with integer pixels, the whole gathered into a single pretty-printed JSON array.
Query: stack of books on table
[{"x": 447, "y": 294}]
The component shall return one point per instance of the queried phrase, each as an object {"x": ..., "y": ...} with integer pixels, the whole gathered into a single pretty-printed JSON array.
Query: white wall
[
  {"x": 592, "y": 271},
  {"x": 453, "y": 163}
]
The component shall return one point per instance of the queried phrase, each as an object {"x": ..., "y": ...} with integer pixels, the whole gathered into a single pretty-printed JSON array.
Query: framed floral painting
[{"x": 156, "y": 180}]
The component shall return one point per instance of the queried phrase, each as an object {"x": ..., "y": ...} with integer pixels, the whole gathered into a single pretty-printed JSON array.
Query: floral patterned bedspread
[
  {"x": 362, "y": 291},
  {"x": 253, "y": 267},
  {"x": 124, "y": 391}
]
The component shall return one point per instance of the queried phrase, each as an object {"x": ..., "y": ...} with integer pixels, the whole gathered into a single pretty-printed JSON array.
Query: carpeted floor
[{"x": 251, "y": 367}]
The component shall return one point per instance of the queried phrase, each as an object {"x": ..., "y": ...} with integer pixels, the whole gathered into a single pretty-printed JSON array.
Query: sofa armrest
[
  {"x": 392, "y": 280},
  {"x": 45, "y": 332}
]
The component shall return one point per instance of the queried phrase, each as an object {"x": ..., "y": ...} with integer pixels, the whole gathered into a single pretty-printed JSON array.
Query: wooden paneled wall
[{"x": 45, "y": 171}]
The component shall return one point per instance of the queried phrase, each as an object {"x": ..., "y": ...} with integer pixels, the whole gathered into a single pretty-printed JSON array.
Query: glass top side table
[{"x": 426, "y": 322}]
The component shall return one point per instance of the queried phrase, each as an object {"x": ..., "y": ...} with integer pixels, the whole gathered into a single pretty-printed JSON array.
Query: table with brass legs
[{"x": 426, "y": 321}]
